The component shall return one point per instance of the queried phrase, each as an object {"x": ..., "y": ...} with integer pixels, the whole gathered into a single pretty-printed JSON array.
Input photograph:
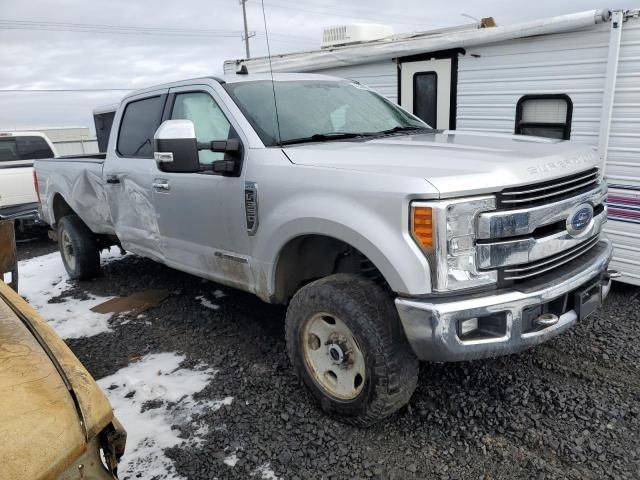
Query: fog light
[{"x": 468, "y": 326}]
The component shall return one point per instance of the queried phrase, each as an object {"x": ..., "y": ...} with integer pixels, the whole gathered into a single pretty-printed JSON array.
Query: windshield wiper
[
  {"x": 325, "y": 137},
  {"x": 401, "y": 129}
]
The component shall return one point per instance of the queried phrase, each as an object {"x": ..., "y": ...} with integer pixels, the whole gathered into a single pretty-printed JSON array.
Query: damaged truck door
[
  {"x": 201, "y": 231},
  {"x": 130, "y": 171}
]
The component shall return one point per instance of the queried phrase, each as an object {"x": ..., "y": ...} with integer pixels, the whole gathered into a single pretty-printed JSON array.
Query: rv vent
[{"x": 354, "y": 33}]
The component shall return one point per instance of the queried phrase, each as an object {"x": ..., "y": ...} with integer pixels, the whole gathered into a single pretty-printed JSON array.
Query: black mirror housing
[
  {"x": 184, "y": 152},
  {"x": 225, "y": 167},
  {"x": 232, "y": 161},
  {"x": 231, "y": 146}
]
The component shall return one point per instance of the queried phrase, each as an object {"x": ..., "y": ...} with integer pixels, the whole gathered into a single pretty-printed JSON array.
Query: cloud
[{"x": 44, "y": 59}]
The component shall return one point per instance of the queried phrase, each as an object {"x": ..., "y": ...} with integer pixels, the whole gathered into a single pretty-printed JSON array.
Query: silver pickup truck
[{"x": 389, "y": 241}]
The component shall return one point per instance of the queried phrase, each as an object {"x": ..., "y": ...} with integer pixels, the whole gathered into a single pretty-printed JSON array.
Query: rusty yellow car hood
[{"x": 50, "y": 406}]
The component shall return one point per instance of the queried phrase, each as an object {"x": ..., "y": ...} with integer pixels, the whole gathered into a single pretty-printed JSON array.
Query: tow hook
[
  {"x": 611, "y": 275},
  {"x": 546, "y": 320}
]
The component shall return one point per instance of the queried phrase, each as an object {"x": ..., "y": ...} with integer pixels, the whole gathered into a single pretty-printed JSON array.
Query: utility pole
[{"x": 246, "y": 36}]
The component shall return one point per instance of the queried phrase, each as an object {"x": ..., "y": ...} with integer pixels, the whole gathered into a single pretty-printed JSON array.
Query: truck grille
[
  {"x": 523, "y": 272},
  {"x": 551, "y": 191}
]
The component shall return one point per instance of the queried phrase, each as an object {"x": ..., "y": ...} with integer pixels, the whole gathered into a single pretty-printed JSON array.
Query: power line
[
  {"x": 129, "y": 30},
  {"x": 117, "y": 31},
  {"x": 332, "y": 13}
]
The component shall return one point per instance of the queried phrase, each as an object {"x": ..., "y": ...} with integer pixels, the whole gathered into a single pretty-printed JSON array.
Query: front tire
[
  {"x": 346, "y": 344},
  {"x": 78, "y": 248}
]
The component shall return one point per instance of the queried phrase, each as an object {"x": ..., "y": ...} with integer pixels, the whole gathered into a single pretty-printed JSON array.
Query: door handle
[
  {"x": 161, "y": 185},
  {"x": 112, "y": 179}
]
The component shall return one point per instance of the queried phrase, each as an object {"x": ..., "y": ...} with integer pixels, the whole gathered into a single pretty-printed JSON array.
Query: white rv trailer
[{"x": 571, "y": 77}]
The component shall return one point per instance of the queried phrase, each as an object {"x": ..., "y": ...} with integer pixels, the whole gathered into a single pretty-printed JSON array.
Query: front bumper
[{"x": 432, "y": 325}]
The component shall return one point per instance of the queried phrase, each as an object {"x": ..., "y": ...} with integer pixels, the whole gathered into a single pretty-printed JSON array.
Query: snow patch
[
  {"x": 206, "y": 303},
  {"x": 231, "y": 460},
  {"x": 219, "y": 294},
  {"x": 265, "y": 472},
  {"x": 157, "y": 385},
  {"x": 43, "y": 278}
]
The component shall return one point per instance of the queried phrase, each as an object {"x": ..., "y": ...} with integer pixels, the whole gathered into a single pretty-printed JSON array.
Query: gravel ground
[{"x": 567, "y": 409}]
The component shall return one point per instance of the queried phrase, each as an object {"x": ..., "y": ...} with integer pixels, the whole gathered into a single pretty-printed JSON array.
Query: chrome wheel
[
  {"x": 333, "y": 357},
  {"x": 67, "y": 251}
]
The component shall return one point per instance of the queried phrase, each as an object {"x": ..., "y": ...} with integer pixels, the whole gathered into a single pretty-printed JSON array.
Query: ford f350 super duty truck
[{"x": 389, "y": 241}]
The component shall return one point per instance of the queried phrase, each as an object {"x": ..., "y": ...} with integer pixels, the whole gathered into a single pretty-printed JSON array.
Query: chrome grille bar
[
  {"x": 590, "y": 176},
  {"x": 550, "y": 195},
  {"x": 538, "y": 268},
  {"x": 549, "y": 191}
]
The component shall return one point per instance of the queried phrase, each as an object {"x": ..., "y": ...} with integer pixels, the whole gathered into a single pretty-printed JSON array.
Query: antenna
[{"x": 273, "y": 83}]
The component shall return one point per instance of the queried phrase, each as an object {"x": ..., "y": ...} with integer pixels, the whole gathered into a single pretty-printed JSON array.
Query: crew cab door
[
  {"x": 201, "y": 215},
  {"x": 425, "y": 90},
  {"x": 129, "y": 171}
]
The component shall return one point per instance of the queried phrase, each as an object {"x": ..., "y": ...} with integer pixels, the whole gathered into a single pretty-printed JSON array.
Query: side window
[
  {"x": 425, "y": 97},
  {"x": 209, "y": 121},
  {"x": 139, "y": 122},
  {"x": 544, "y": 116}
]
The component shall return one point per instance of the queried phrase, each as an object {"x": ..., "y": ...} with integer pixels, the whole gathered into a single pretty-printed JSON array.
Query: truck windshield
[
  {"x": 318, "y": 110},
  {"x": 23, "y": 148}
]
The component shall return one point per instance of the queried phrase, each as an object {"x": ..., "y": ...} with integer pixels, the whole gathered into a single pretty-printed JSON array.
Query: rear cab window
[
  {"x": 24, "y": 147},
  {"x": 140, "y": 120}
]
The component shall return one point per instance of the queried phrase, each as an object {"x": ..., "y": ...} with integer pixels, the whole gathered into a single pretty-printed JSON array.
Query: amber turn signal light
[{"x": 423, "y": 226}]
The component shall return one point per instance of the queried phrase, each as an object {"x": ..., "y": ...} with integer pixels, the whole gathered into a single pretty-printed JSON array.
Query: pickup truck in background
[
  {"x": 18, "y": 196},
  {"x": 389, "y": 241}
]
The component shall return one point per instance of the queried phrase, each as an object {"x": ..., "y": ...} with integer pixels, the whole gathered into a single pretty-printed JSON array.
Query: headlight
[{"x": 446, "y": 232}]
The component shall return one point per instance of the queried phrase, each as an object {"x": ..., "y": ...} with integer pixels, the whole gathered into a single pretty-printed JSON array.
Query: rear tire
[
  {"x": 78, "y": 248},
  {"x": 346, "y": 344}
]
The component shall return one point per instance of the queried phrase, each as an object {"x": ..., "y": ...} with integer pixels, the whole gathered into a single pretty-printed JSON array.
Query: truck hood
[{"x": 455, "y": 163}]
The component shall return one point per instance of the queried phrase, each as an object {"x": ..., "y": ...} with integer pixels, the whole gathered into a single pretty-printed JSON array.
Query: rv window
[
  {"x": 544, "y": 116},
  {"x": 425, "y": 97}
]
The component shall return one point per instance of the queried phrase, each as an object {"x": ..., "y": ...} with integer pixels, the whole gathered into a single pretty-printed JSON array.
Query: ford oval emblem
[{"x": 579, "y": 219}]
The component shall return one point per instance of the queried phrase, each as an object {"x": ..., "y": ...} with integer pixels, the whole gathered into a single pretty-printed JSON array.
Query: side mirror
[
  {"x": 175, "y": 147},
  {"x": 232, "y": 158}
]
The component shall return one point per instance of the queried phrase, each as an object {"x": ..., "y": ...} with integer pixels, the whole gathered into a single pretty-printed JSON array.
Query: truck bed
[
  {"x": 93, "y": 158},
  {"x": 78, "y": 180}
]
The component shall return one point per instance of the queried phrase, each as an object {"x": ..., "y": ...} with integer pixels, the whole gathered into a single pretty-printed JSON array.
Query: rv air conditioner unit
[{"x": 354, "y": 33}]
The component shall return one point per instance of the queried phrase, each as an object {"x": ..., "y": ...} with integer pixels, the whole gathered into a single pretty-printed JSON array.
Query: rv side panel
[{"x": 492, "y": 78}]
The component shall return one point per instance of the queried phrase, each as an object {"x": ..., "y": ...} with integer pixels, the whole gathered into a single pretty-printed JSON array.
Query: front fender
[{"x": 381, "y": 234}]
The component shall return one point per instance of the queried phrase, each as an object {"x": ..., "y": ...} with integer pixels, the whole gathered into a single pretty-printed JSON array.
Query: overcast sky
[{"x": 199, "y": 36}]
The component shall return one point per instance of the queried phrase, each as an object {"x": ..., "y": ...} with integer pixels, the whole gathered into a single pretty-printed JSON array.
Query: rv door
[{"x": 425, "y": 90}]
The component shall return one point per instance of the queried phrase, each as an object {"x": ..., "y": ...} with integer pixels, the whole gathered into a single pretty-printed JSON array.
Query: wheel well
[
  {"x": 60, "y": 208},
  {"x": 310, "y": 257}
]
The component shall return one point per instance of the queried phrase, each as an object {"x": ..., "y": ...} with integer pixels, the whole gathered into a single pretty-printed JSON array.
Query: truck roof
[{"x": 238, "y": 78}]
